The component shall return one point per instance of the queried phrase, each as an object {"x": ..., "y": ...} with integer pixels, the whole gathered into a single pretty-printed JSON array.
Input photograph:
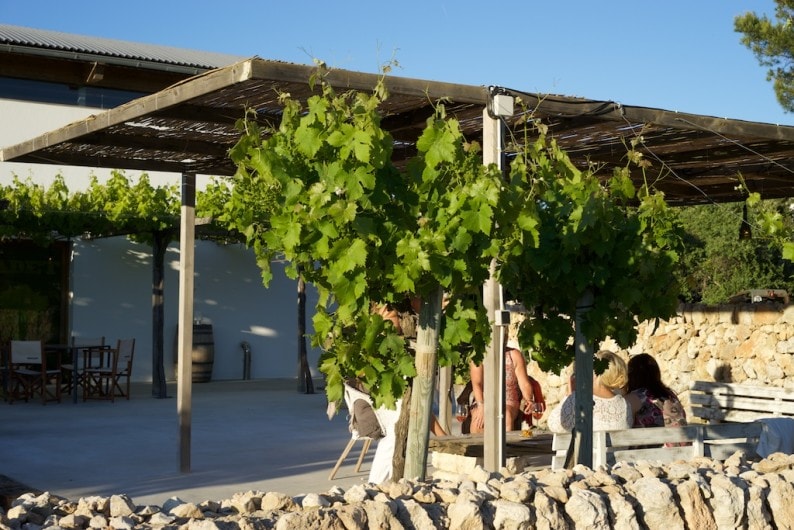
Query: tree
[
  {"x": 321, "y": 191},
  {"x": 118, "y": 207},
  {"x": 609, "y": 238},
  {"x": 716, "y": 265},
  {"x": 772, "y": 42},
  {"x": 603, "y": 260},
  {"x": 147, "y": 215}
]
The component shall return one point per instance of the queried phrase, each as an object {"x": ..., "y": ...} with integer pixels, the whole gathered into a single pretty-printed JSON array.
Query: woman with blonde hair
[{"x": 611, "y": 411}]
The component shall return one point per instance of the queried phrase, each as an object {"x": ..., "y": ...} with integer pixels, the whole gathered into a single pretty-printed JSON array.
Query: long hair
[{"x": 644, "y": 373}]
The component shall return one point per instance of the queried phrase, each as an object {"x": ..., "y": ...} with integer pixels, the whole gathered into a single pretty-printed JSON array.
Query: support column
[
  {"x": 187, "y": 238},
  {"x": 583, "y": 400},
  {"x": 493, "y": 363}
]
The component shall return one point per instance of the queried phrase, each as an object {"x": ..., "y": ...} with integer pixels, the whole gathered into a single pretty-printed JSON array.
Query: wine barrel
[
  {"x": 203, "y": 352},
  {"x": 203, "y": 356}
]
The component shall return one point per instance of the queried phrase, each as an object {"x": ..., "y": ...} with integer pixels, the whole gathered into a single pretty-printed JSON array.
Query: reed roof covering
[{"x": 190, "y": 127}]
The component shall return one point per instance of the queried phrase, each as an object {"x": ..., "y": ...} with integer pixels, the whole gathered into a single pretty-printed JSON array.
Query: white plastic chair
[{"x": 351, "y": 396}]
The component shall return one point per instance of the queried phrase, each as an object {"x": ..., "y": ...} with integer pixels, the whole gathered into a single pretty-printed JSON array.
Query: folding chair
[
  {"x": 29, "y": 374},
  {"x": 125, "y": 350},
  {"x": 103, "y": 380},
  {"x": 351, "y": 396},
  {"x": 73, "y": 370}
]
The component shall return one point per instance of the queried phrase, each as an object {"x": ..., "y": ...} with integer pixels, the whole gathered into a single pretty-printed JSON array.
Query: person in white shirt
[{"x": 611, "y": 411}]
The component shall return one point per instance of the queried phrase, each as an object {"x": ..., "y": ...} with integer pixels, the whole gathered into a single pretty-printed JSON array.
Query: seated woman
[
  {"x": 611, "y": 411},
  {"x": 518, "y": 385},
  {"x": 653, "y": 403}
]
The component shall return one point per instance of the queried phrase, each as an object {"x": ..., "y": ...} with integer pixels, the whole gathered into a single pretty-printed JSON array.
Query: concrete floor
[{"x": 246, "y": 435}]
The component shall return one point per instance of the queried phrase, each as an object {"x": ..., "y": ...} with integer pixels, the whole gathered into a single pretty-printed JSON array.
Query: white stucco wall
[
  {"x": 111, "y": 278},
  {"x": 112, "y": 298}
]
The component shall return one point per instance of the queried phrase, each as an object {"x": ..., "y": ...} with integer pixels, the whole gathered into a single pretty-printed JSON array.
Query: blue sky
[{"x": 674, "y": 55}]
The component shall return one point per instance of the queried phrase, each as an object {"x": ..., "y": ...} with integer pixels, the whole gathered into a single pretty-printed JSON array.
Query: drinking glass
[{"x": 461, "y": 411}]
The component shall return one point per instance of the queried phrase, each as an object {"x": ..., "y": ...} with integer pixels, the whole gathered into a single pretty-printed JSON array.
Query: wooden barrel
[
  {"x": 203, "y": 352},
  {"x": 203, "y": 356}
]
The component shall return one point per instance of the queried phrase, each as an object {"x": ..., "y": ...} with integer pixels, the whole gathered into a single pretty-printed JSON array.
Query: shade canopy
[{"x": 190, "y": 127}]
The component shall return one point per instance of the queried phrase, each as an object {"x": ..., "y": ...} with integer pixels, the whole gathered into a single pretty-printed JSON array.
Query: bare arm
[
  {"x": 478, "y": 411},
  {"x": 524, "y": 384}
]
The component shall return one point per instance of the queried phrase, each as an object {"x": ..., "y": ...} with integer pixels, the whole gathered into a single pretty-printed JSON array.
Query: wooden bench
[
  {"x": 716, "y": 402},
  {"x": 718, "y": 441}
]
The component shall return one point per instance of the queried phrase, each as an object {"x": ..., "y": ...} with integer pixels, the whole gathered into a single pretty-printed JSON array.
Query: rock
[
  {"x": 695, "y": 509},
  {"x": 479, "y": 474},
  {"x": 247, "y": 502},
  {"x": 100, "y": 521},
  {"x": 516, "y": 491},
  {"x": 157, "y": 519},
  {"x": 186, "y": 510},
  {"x": 357, "y": 493},
  {"x": 548, "y": 513},
  {"x": 121, "y": 506},
  {"x": 587, "y": 509},
  {"x": 466, "y": 515},
  {"x": 277, "y": 501},
  {"x": 313, "y": 500},
  {"x": 511, "y": 515},
  {"x": 657, "y": 507},
  {"x": 758, "y": 516},
  {"x": 413, "y": 515},
  {"x": 314, "y": 519},
  {"x": 122, "y": 523},
  {"x": 425, "y": 494},
  {"x": 781, "y": 502},
  {"x": 172, "y": 502},
  {"x": 352, "y": 517},
  {"x": 396, "y": 490},
  {"x": 729, "y": 497},
  {"x": 380, "y": 515},
  {"x": 621, "y": 512},
  {"x": 73, "y": 521}
]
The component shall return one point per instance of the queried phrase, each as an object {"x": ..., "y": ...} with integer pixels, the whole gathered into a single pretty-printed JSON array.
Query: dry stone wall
[
  {"x": 696, "y": 495},
  {"x": 734, "y": 343}
]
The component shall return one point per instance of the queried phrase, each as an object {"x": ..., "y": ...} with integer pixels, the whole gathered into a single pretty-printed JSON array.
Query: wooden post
[
  {"x": 583, "y": 371},
  {"x": 493, "y": 363},
  {"x": 184, "y": 380}
]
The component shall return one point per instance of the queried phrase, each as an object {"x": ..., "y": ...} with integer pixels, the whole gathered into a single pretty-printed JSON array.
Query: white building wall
[{"x": 112, "y": 278}]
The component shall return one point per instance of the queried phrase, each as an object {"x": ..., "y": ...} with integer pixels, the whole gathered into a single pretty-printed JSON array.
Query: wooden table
[
  {"x": 453, "y": 456},
  {"x": 73, "y": 350}
]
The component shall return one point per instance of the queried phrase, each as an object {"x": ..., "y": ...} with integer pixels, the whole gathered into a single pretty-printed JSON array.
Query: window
[{"x": 60, "y": 93}]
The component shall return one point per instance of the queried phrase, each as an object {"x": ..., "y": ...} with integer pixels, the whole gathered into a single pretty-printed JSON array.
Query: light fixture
[{"x": 745, "y": 232}]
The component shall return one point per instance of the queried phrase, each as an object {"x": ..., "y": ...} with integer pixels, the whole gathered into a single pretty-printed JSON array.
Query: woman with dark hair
[{"x": 653, "y": 403}]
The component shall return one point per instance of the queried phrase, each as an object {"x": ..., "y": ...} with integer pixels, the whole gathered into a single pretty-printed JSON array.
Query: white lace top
[{"x": 609, "y": 414}]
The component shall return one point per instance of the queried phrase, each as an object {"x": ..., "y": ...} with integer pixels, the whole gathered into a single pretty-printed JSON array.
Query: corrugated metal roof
[{"x": 79, "y": 44}]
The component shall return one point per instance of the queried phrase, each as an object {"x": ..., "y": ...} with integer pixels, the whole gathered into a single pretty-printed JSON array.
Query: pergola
[{"x": 189, "y": 128}]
